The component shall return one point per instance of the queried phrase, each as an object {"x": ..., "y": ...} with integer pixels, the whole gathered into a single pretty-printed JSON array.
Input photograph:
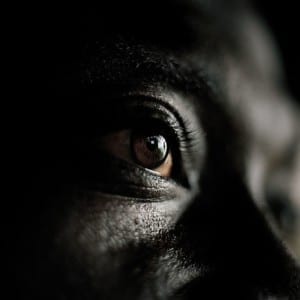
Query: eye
[
  {"x": 140, "y": 137},
  {"x": 150, "y": 150}
]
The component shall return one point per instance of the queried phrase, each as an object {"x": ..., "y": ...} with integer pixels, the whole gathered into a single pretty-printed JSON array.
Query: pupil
[
  {"x": 152, "y": 143},
  {"x": 157, "y": 145}
]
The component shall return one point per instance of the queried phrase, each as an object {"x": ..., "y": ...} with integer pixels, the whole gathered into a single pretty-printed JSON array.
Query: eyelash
[
  {"x": 180, "y": 140},
  {"x": 185, "y": 138},
  {"x": 175, "y": 126}
]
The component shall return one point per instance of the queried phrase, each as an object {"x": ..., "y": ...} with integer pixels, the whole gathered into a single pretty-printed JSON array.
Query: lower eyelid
[
  {"x": 144, "y": 194},
  {"x": 117, "y": 176}
]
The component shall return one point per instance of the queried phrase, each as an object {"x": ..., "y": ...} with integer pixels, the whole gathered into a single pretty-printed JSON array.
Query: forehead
[
  {"x": 170, "y": 24},
  {"x": 178, "y": 26},
  {"x": 193, "y": 31}
]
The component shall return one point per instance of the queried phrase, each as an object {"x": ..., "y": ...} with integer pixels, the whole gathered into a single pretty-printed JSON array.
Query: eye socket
[{"x": 149, "y": 150}]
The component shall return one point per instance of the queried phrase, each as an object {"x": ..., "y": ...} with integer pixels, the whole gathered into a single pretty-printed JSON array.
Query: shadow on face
[{"x": 159, "y": 156}]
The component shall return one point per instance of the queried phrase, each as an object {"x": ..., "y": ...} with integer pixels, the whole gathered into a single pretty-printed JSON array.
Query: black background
[{"x": 283, "y": 19}]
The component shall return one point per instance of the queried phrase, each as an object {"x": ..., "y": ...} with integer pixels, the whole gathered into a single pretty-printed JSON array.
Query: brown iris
[{"x": 149, "y": 151}]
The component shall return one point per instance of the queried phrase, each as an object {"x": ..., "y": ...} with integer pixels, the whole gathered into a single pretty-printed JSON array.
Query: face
[{"x": 153, "y": 162}]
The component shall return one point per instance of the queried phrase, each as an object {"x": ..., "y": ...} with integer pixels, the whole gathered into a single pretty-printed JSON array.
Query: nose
[{"x": 235, "y": 245}]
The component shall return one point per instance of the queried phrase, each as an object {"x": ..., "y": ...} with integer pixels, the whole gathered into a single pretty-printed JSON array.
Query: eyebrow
[{"x": 136, "y": 66}]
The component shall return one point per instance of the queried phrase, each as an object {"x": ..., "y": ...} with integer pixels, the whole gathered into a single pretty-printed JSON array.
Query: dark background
[{"x": 283, "y": 19}]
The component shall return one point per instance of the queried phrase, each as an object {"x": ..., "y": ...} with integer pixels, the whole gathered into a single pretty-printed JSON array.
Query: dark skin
[{"x": 92, "y": 221}]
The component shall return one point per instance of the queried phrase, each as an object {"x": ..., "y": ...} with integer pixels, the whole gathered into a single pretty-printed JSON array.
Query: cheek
[{"x": 98, "y": 226}]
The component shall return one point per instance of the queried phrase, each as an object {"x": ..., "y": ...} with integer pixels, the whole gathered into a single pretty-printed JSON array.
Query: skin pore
[{"x": 105, "y": 215}]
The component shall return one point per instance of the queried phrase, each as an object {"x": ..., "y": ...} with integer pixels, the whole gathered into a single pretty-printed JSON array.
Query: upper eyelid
[
  {"x": 181, "y": 108},
  {"x": 170, "y": 116},
  {"x": 153, "y": 116},
  {"x": 182, "y": 114},
  {"x": 168, "y": 100}
]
